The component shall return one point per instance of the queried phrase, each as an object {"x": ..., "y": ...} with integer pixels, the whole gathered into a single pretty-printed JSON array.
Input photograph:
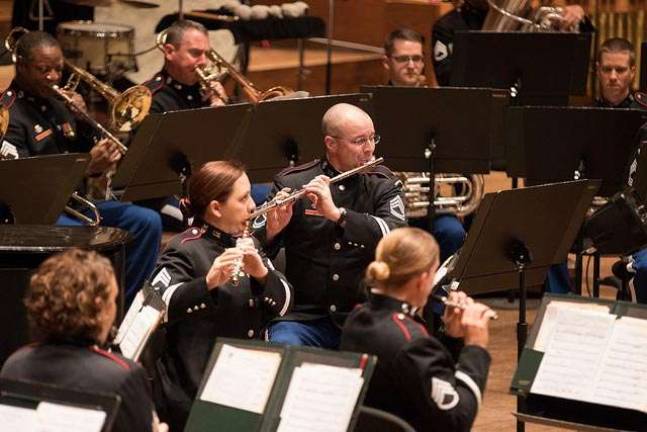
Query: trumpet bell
[{"x": 130, "y": 108}]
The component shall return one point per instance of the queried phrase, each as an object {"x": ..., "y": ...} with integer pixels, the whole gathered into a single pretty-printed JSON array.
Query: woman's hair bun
[{"x": 378, "y": 271}]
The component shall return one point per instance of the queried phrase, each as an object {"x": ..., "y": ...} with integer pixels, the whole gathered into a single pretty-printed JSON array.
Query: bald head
[{"x": 340, "y": 116}]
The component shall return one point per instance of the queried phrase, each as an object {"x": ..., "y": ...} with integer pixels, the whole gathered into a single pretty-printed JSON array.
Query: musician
[
  {"x": 329, "y": 237},
  {"x": 194, "y": 277},
  {"x": 41, "y": 124},
  {"x": 430, "y": 384},
  {"x": 616, "y": 70},
  {"x": 71, "y": 308},
  {"x": 470, "y": 15},
  {"x": 176, "y": 87},
  {"x": 404, "y": 62}
]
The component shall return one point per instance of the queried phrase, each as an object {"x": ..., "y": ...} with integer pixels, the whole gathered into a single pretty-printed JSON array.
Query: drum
[{"x": 100, "y": 48}]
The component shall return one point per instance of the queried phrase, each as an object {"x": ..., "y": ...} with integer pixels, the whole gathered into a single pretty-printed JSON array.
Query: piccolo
[
  {"x": 444, "y": 300},
  {"x": 278, "y": 202}
]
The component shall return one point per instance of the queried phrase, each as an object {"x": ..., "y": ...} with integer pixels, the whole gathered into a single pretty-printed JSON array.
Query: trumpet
[
  {"x": 279, "y": 202},
  {"x": 220, "y": 67}
]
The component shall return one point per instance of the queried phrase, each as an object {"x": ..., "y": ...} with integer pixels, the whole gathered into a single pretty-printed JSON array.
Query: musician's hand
[
  {"x": 453, "y": 315},
  {"x": 222, "y": 267},
  {"x": 216, "y": 95},
  {"x": 252, "y": 262},
  {"x": 79, "y": 103},
  {"x": 157, "y": 425},
  {"x": 279, "y": 217},
  {"x": 571, "y": 17},
  {"x": 475, "y": 320},
  {"x": 318, "y": 191},
  {"x": 103, "y": 156}
]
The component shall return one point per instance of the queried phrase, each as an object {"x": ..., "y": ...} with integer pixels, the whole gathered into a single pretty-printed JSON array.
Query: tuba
[
  {"x": 219, "y": 68},
  {"x": 510, "y": 15}
]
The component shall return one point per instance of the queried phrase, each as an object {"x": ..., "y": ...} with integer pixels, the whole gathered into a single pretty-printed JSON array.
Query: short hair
[
  {"x": 213, "y": 181},
  {"x": 28, "y": 42},
  {"x": 67, "y": 295},
  {"x": 401, "y": 255},
  {"x": 175, "y": 32},
  {"x": 615, "y": 45},
  {"x": 402, "y": 34}
]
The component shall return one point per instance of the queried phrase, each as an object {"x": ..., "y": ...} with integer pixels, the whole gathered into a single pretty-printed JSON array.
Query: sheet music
[
  {"x": 140, "y": 328},
  {"x": 18, "y": 419},
  {"x": 595, "y": 357},
  {"x": 242, "y": 378},
  {"x": 320, "y": 398},
  {"x": 63, "y": 418},
  {"x": 131, "y": 315}
]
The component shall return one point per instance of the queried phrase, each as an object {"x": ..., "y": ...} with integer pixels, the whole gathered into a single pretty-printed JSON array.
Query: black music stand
[
  {"x": 542, "y": 68},
  {"x": 27, "y": 394},
  {"x": 266, "y": 137},
  {"x": 35, "y": 190},
  {"x": 517, "y": 235}
]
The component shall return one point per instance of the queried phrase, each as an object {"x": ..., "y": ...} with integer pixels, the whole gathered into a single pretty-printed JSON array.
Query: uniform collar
[
  {"x": 381, "y": 301},
  {"x": 76, "y": 341},
  {"x": 176, "y": 85},
  {"x": 226, "y": 240},
  {"x": 331, "y": 172},
  {"x": 628, "y": 102},
  {"x": 23, "y": 93}
]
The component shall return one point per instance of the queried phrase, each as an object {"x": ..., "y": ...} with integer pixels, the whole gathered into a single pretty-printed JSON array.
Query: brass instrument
[
  {"x": 509, "y": 15},
  {"x": 219, "y": 67},
  {"x": 127, "y": 109},
  {"x": 465, "y": 193}
]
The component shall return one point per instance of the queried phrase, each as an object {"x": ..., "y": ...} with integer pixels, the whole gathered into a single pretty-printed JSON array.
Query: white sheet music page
[
  {"x": 622, "y": 379},
  {"x": 18, "y": 419},
  {"x": 320, "y": 398},
  {"x": 242, "y": 378},
  {"x": 63, "y": 418},
  {"x": 573, "y": 353},
  {"x": 141, "y": 326},
  {"x": 133, "y": 310}
]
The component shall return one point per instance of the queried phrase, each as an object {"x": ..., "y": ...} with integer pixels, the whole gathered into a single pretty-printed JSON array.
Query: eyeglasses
[
  {"x": 362, "y": 141},
  {"x": 407, "y": 58}
]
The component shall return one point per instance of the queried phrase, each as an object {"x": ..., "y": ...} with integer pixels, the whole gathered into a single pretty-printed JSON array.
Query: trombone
[{"x": 219, "y": 68}]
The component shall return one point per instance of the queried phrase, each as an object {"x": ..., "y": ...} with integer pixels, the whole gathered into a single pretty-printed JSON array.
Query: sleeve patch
[
  {"x": 8, "y": 151},
  {"x": 163, "y": 277},
  {"x": 397, "y": 208},
  {"x": 441, "y": 51},
  {"x": 443, "y": 394}
]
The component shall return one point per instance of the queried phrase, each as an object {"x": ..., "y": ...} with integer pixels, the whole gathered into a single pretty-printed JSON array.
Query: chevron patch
[{"x": 444, "y": 394}]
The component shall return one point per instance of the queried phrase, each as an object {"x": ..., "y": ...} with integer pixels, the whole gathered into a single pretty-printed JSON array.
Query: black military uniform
[
  {"x": 170, "y": 95},
  {"x": 416, "y": 378},
  {"x": 41, "y": 126},
  {"x": 628, "y": 102},
  {"x": 196, "y": 315},
  {"x": 79, "y": 364},
  {"x": 325, "y": 261}
]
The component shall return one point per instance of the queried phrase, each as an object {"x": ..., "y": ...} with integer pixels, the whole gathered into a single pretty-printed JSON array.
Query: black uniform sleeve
[
  {"x": 185, "y": 293},
  {"x": 442, "y": 40},
  {"x": 17, "y": 135},
  {"x": 367, "y": 229},
  {"x": 277, "y": 292},
  {"x": 446, "y": 396},
  {"x": 136, "y": 409}
]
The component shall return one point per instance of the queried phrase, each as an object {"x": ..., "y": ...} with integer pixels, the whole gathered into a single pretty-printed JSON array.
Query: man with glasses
[{"x": 330, "y": 235}]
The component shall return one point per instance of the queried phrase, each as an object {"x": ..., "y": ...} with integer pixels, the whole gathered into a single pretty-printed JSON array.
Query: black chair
[{"x": 373, "y": 419}]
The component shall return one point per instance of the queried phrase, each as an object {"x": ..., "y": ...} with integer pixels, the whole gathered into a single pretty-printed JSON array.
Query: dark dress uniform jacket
[
  {"x": 171, "y": 95},
  {"x": 81, "y": 365},
  {"x": 41, "y": 126},
  {"x": 325, "y": 262},
  {"x": 196, "y": 316},
  {"x": 416, "y": 377}
]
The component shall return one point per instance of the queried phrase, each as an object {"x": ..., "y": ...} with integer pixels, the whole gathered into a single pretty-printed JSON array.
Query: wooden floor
[{"x": 496, "y": 413}]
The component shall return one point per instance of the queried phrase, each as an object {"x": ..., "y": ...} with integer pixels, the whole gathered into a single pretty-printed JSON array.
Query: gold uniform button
[
  {"x": 250, "y": 333},
  {"x": 335, "y": 277},
  {"x": 337, "y": 246},
  {"x": 333, "y": 308}
]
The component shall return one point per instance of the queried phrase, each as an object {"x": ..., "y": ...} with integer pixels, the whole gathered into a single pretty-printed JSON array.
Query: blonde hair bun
[{"x": 378, "y": 271}]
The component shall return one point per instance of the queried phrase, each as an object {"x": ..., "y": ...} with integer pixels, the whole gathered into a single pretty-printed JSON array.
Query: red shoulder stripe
[
  {"x": 110, "y": 356},
  {"x": 403, "y": 328},
  {"x": 194, "y": 236}
]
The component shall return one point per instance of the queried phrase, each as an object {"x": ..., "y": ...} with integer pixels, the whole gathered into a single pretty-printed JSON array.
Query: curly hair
[{"x": 68, "y": 294}]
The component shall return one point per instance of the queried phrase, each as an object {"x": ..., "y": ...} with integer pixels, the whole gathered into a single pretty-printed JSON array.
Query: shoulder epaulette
[
  {"x": 192, "y": 233},
  {"x": 641, "y": 99},
  {"x": 155, "y": 84},
  {"x": 110, "y": 356},
  {"x": 408, "y": 326},
  {"x": 299, "y": 168},
  {"x": 382, "y": 171},
  {"x": 7, "y": 98}
]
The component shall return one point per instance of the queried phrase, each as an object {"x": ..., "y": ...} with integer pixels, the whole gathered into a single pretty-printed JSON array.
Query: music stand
[
  {"x": 517, "y": 235},
  {"x": 28, "y": 395},
  {"x": 266, "y": 137},
  {"x": 549, "y": 144},
  {"x": 36, "y": 189},
  {"x": 523, "y": 61}
]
